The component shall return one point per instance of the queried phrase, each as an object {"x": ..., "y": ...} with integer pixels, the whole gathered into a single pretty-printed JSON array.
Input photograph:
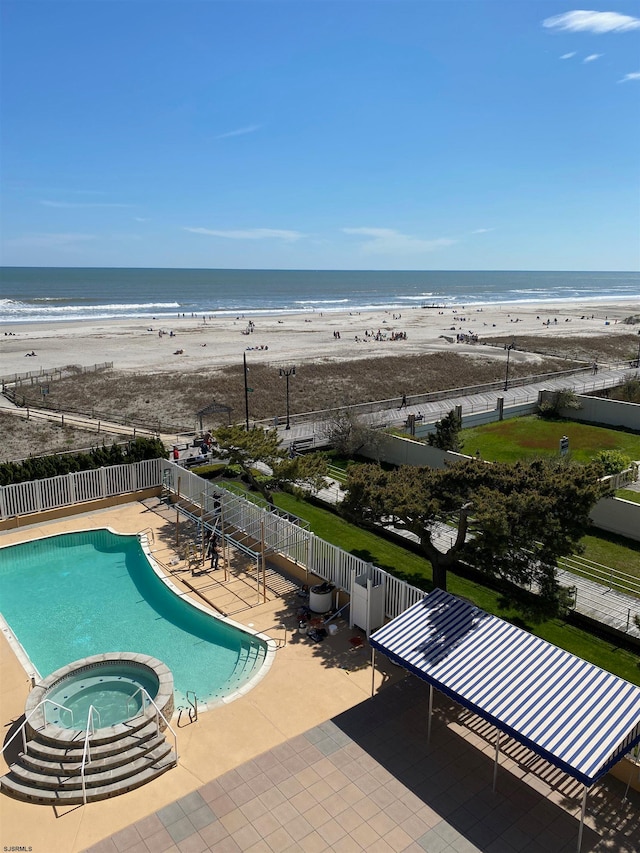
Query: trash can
[{"x": 320, "y": 597}]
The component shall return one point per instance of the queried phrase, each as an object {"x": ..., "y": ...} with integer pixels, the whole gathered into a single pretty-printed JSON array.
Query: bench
[
  {"x": 301, "y": 444},
  {"x": 191, "y": 461}
]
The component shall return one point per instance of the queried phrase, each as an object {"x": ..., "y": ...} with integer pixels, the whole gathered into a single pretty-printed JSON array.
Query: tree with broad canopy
[
  {"x": 509, "y": 520},
  {"x": 250, "y": 449}
]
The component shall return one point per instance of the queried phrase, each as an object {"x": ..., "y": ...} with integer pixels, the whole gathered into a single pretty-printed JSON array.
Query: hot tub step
[
  {"x": 119, "y": 775},
  {"x": 18, "y": 789},
  {"x": 74, "y": 738},
  {"x": 55, "y": 764},
  {"x": 73, "y": 751}
]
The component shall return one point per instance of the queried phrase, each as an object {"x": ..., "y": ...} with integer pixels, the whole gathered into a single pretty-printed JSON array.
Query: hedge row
[{"x": 41, "y": 467}]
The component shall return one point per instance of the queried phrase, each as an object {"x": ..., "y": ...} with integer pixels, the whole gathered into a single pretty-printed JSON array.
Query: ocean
[{"x": 39, "y": 294}]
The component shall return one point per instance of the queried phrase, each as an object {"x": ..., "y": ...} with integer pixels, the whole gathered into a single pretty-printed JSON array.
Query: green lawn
[
  {"x": 531, "y": 437},
  {"x": 417, "y": 571},
  {"x": 612, "y": 551},
  {"x": 628, "y": 495}
]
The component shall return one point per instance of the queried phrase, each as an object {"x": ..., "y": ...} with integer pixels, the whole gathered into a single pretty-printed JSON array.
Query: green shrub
[
  {"x": 612, "y": 461},
  {"x": 43, "y": 467},
  {"x": 565, "y": 398}
]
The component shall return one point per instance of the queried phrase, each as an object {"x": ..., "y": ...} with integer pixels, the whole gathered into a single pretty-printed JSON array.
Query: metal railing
[
  {"x": 277, "y": 643},
  {"x": 159, "y": 714},
  {"x": 607, "y": 576},
  {"x": 23, "y": 725},
  {"x": 148, "y": 532},
  {"x": 86, "y": 752}
]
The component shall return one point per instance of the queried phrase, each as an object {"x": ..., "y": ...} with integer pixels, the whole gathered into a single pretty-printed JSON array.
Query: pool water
[
  {"x": 74, "y": 595},
  {"x": 117, "y": 696}
]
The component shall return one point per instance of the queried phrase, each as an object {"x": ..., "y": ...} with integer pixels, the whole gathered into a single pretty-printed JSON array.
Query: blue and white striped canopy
[{"x": 577, "y": 716}]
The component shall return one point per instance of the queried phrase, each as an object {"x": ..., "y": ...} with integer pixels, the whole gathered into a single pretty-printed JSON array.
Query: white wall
[
  {"x": 617, "y": 516},
  {"x": 597, "y": 410}
]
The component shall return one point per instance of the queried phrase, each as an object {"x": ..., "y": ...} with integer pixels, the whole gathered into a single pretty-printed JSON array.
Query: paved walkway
[
  {"x": 368, "y": 781},
  {"x": 313, "y": 432}
]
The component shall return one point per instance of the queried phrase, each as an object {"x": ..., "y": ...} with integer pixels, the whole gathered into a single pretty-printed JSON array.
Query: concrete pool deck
[{"x": 308, "y": 761}]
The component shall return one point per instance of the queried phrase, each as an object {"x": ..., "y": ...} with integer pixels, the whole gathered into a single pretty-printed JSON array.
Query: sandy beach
[{"x": 193, "y": 343}]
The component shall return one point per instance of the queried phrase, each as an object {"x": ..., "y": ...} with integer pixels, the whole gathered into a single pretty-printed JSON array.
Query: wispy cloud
[
  {"x": 633, "y": 75},
  {"x": 240, "y": 132},
  {"x": 568, "y": 55},
  {"x": 77, "y": 204},
  {"x": 66, "y": 241},
  {"x": 592, "y": 57},
  {"x": 482, "y": 230},
  {"x": 250, "y": 234},
  {"x": 141, "y": 219},
  {"x": 580, "y": 21},
  {"x": 386, "y": 240}
]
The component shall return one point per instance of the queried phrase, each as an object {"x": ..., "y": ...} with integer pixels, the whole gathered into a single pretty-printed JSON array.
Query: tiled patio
[{"x": 368, "y": 781}]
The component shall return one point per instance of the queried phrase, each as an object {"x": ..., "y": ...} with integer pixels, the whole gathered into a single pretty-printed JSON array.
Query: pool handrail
[
  {"x": 277, "y": 643},
  {"x": 86, "y": 752},
  {"x": 23, "y": 725},
  {"x": 159, "y": 713},
  {"x": 146, "y": 532}
]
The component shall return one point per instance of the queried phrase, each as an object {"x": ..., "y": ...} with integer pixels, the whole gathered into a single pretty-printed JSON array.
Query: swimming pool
[{"x": 75, "y": 595}]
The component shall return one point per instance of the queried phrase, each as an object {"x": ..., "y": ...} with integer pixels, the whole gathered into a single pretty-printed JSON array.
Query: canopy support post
[
  {"x": 582, "y": 814},
  {"x": 430, "y": 714},
  {"x": 632, "y": 768},
  {"x": 373, "y": 669},
  {"x": 495, "y": 766}
]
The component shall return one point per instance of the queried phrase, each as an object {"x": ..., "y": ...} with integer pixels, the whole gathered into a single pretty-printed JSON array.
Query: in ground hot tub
[{"x": 117, "y": 685}]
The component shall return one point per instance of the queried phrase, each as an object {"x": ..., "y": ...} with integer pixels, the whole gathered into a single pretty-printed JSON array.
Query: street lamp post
[
  {"x": 506, "y": 376},
  {"x": 287, "y": 373},
  {"x": 246, "y": 389}
]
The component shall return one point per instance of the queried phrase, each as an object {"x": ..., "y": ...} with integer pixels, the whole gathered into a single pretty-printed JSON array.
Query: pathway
[{"x": 313, "y": 432}]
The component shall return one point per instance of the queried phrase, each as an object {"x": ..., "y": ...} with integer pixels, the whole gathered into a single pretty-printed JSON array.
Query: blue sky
[{"x": 321, "y": 135}]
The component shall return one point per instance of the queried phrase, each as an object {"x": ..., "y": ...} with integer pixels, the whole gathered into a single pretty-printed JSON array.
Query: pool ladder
[
  {"x": 193, "y": 703},
  {"x": 193, "y": 707}
]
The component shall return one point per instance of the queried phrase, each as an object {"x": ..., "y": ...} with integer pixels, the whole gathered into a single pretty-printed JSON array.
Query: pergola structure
[
  {"x": 213, "y": 409},
  {"x": 220, "y": 513},
  {"x": 577, "y": 716}
]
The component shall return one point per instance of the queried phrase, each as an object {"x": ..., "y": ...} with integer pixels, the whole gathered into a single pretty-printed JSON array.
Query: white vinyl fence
[{"x": 78, "y": 487}]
